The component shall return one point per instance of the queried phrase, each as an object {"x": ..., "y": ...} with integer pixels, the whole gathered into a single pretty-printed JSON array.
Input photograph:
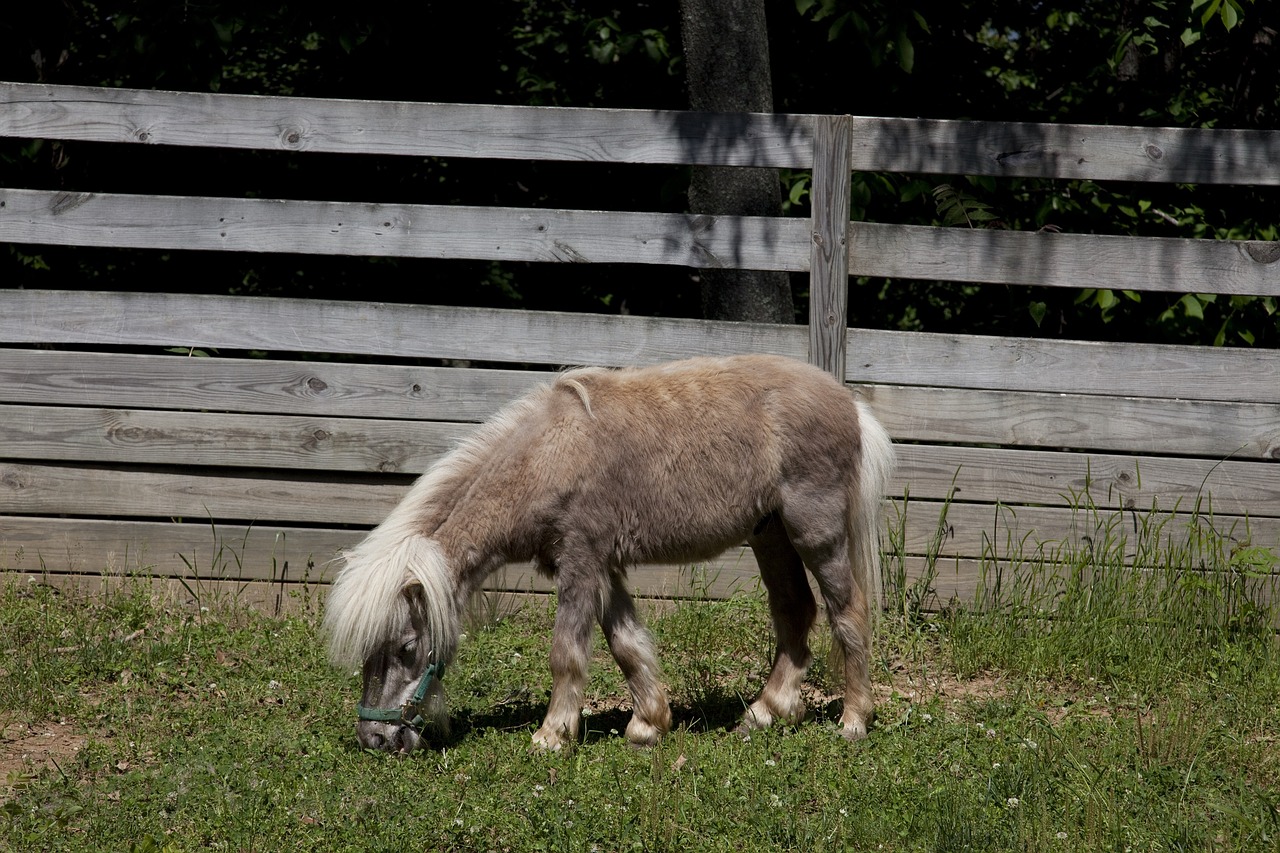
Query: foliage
[{"x": 1185, "y": 63}]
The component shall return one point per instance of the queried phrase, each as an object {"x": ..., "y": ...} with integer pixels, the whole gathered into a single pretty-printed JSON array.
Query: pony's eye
[{"x": 408, "y": 648}]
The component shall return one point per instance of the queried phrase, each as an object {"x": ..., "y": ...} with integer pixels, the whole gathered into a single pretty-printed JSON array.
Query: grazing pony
[{"x": 605, "y": 469}]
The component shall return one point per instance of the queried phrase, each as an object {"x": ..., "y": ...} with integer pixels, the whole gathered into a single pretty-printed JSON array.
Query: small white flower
[
  {"x": 927, "y": 717},
  {"x": 457, "y": 821},
  {"x": 274, "y": 685},
  {"x": 1061, "y": 836},
  {"x": 1012, "y": 802},
  {"x": 769, "y": 762},
  {"x": 995, "y": 766}
]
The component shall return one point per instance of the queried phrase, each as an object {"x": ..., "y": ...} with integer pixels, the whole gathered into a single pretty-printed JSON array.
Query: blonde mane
[{"x": 366, "y": 606}]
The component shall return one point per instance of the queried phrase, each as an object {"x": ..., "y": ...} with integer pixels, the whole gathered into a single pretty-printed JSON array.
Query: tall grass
[{"x": 1132, "y": 596}]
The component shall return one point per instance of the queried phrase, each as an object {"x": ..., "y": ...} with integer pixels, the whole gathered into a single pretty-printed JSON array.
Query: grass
[{"x": 1077, "y": 705}]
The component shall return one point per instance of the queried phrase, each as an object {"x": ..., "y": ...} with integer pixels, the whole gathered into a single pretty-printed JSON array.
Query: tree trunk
[{"x": 726, "y": 50}]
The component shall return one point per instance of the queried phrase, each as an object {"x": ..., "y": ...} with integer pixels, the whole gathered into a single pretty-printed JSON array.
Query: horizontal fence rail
[
  {"x": 1161, "y": 264},
  {"x": 921, "y": 146},
  {"x": 275, "y": 123}
]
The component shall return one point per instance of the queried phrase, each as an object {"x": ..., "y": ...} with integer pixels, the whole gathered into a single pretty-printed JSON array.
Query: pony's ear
[{"x": 415, "y": 596}]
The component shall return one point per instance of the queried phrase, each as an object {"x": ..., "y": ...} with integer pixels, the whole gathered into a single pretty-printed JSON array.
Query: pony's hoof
[
  {"x": 641, "y": 734},
  {"x": 757, "y": 717},
  {"x": 544, "y": 741},
  {"x": 853, "y": 733}
]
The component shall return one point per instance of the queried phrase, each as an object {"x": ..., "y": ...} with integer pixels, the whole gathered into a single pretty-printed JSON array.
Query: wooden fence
[{"x": 118, "y": 456}]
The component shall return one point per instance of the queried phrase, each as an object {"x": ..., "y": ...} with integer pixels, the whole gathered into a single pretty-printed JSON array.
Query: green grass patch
[{"x": 1078, "y": 705}]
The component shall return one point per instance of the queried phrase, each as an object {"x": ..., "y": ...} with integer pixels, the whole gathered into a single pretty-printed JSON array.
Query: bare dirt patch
[{"x": 26, "y": 749}]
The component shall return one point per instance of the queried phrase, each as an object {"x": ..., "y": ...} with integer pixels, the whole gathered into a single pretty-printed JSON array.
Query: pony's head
[{"x": 391, "y": 611}]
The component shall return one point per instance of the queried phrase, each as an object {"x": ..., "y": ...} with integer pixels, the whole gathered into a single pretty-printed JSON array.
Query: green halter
[{"x": 401, "y": 714}]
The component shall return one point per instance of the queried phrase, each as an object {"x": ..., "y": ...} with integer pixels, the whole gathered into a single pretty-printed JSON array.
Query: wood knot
[
  {"x": 1262, "y": 251},
  {"x": 1155, "y": 152},
  {"x": 315, "y": 383},
  {"x": 292, "y": 137},
  {"x": 66, "y": 202}
]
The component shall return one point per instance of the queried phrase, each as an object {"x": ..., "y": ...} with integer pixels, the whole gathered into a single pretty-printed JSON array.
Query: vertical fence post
[{"x": 829, "y": 254}]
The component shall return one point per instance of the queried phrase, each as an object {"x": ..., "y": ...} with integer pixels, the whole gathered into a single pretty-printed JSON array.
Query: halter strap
[{"x": 401, "y": 713}]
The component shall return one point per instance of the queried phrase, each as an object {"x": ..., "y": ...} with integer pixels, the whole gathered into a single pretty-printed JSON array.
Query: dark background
[{"x": 1140, "y": 63}]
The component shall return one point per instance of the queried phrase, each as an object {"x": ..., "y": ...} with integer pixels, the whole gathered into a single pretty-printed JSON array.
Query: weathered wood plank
[
  {"x": 1155, "y": 427},
  {"x": 829, "y": 255},
  {"x": 981, "y": 474},
  {"x": 310, "y": 325},
  {"x": 1087, "y": 152},
  {"x": 1070, "y": 367},
  {"x": 402, "y": 230},
  {"x": 364, "y": 445},
  {"x": 97, "y": 436},
  {"x": 192, "y": 550},
  {"x": 232, "y": 552},
  {"x": 921, "y": 146},
  {"x": 523, "y": 234},
  {"x": 221, "y": 500},
  {"x": 32, "y": 489},
  {"x": 1161, "y": 264},
  {"x": 261, "y": 386},
  {"x": 45, "y": 549},
  {"x": 39, "y": 111},
  {"x": 1015, "y": 532},
  {"x": 327, "y": 388}
]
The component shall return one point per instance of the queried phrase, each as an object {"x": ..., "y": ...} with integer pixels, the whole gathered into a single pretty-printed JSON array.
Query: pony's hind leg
[
  {"x": 632, "y": 647},
  {"x": 579, "y": 598},
  {"x": 847, "y": 610},
  {"x": 820, "y": 536},
  {"x": 793, "y": 610}
]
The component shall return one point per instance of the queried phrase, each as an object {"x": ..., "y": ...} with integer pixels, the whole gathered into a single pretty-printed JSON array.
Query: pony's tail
[{"x": 875, "y": 466}]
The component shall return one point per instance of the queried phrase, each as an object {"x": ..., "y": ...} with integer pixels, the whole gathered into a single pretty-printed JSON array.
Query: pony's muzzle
[{"x": 387, "y": 737}]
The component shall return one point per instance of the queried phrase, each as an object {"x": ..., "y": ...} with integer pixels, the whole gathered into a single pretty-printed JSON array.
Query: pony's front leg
[
  {"x": 632, "y": 647},
  {"x": 570, "y": 653}
]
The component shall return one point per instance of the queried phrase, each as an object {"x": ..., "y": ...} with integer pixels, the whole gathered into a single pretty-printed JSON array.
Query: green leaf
[
  {"x": 1037, "y": 311},
  {"x": 1190, "y": 37},
  {"x": 1191, "y": 306},
  {"x": 799, "y": 190},
  {"x": 906, "y": 53},
  {"x": 1230, "y": 14}
]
